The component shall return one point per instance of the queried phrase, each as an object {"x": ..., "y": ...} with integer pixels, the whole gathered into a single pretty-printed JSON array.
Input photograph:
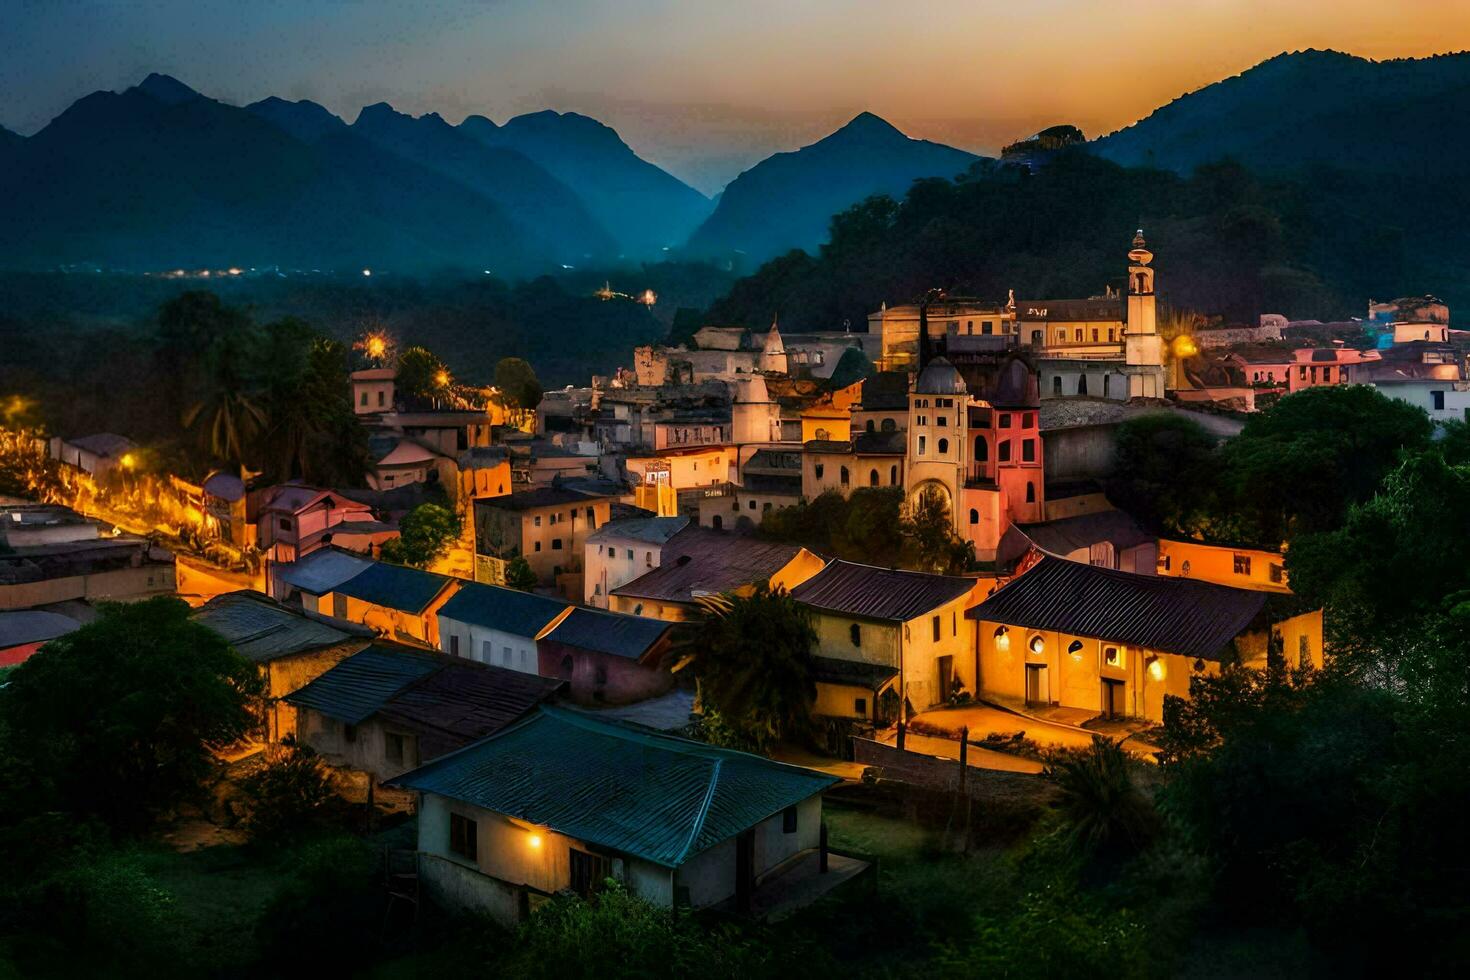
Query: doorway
[
  {"x": 946, "y": 678},
  {"x": 1037, "y": 689},
  {"x": 1114, "y": 698}
]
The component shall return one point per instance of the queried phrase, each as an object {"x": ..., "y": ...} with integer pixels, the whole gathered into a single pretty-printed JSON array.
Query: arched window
[
  {"x": 869, "y": 426},
  {"x": 893, "y": 475},
  {"x": 845, "y": 477},
  {"x": 974, "y": 516},
  {"x": 1082, "y": 384},
  {"x": 718, "y": 522},
  {"x": 873, "y": 478},
  {"x": 889, "y": 425},
  {"x": 1056, "y": 384},
  {"x": 1030, "y": 493},
  {"x": 943, "y": 446},
  {"x": 982, "y": 449}
]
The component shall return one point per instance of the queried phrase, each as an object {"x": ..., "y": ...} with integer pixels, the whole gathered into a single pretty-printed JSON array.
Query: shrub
[
  {"x": 327, "y": 916},
  {"x": 290, "y": 795},
  {"x": 1100, "y": 802}
]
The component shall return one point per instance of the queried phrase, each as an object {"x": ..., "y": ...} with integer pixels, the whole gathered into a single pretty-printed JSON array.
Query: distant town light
[
  {"x": 367, "y": 272},
  {"x": 128, "y": 461},
  {"x": 648, "y": 298}
]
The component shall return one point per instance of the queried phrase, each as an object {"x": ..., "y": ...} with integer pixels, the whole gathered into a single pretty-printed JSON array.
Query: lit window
[
  {"x": 1037, "y": 645},
  {"x": 1242, "y": 564},
  {"x": 1113, "y": 656}
]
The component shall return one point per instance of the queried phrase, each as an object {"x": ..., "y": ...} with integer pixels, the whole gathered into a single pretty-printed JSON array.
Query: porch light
[
  {"x": 1002, "y": 639},
  {"x": 1037, "y": 644},
  {"x": 535, "y": 841},
  {"x": 1156, "y": 669}
]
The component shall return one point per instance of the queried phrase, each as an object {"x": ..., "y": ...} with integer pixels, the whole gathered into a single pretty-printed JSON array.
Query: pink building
[
  {"x": 295, "y": 520},
  {"x": 607, "y": 658},
  {"x": 1298, "y": 370}
]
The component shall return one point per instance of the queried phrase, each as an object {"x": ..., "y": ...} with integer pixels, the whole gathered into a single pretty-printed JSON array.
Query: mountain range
[
  {"x": 787, "y": 200},
  {"x": 159, "y": 176}
]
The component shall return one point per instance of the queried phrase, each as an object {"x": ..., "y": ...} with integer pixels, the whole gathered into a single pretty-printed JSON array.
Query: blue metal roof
[
  {"x": 394, "y": 586},
  {"x": 322, "y": 570},
  {"x": 359, "y": 686},
  {"x": 509, "y": 610},
  {"x": 262, "y": 629},
  {"x": 606, "y": 632},
  {"x": 653, "y": 796}
]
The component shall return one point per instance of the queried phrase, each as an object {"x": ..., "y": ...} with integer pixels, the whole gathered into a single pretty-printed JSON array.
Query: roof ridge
[{"x": 709, "y": 796}]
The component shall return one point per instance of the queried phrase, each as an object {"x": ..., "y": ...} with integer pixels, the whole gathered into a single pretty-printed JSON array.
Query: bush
[
  {"x": 1101, "y": 804},
  {"x": 290, "y": 795},
  {"x": 327, "y": 916}
]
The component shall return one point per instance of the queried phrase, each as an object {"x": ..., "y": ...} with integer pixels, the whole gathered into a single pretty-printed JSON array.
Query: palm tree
[
  {"x": 1102, "y": 805},
  {"x": 227, "y": 418}
]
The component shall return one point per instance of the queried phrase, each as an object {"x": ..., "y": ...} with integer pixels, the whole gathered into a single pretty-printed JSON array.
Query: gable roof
[
  {"x": 355, "y": 689},
  {"x": 652, "y": 530},
  {"x": 607, "y": 632},
  {"x": 879, "y": 593},
  {"x": 462, "y": 701},
  {"x": 508, "y": 610},
  {"x": 395, "y": 586},
  {"x": 322, "y": 570},
  {"x": 539, "y": 497},
  {"x": 1156, "y": 612},
  {"x": 653, "y": 796},
  {"x": 262, "y": 629},
  {"x": 700, "y": 561},
  {"x": 1073, "y": 533},
  {"x": 33, "y": 626}
]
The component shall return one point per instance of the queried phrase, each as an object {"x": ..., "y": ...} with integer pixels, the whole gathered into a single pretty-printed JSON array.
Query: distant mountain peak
[
  {"x": 167, "y": 89},
  {"x": 378, "y": 110},
  {"x": 870, "y": 124},
  {"x": 306, "y": 120}
]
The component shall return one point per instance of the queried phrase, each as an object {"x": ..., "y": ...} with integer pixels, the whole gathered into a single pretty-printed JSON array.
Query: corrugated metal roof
[
  {"x": 879, "y": 593},
  {"x": 262, "y": 629},
  {"x": 509, "y": 610},
  {"x": 832, "y": 670},
  {"x": 321, "y": 571},
  {"x": 653, "y": 796},
  {"x": 653, "y": 530},
  {"x": 606, "y": 632},
  {"x": 394, "y": 586},
  {"x": 32, "y": 626},
  {"x": 359, "y": 686},
  {"x": 463, "y": 701},
  {"x": 1156, "y": 612},
  {"x": 700, "y": 561},
  {"x": 1072, "y": 533}
]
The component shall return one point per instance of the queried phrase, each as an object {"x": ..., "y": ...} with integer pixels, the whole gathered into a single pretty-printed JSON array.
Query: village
[{"x": 683, "y": 630}]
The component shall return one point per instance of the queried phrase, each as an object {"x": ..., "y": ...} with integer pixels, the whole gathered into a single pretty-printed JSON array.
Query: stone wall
[{"x": 931, "y": 772}]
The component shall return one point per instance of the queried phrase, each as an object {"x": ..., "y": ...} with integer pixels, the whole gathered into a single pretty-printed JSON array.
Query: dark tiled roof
[
  {"x": 1071, "y": 533},
  {"x": 885, "y": 391},
  {"x": 699, "y": 561},
  {"x": 1156, "y": 612},
  {"x": 540, "y": 497},
  {"x": 611, "y": 633},
  {"x": 359, "y": 686},
  {"x": 879, "y": 593},
  {"x": 321, "y": 571},
  {"x": 464, "y": 701},
  {"x": 629, "y": 789},
  {"x": 509, "y": 610},
  {"x": 394, "y": 586},
  {"x": 774, "y": 460},
  {"x": 832, "y": 670},
  {"x": 104, "y": 444},
  {"x": 827, "y": 446},
  {"x": 262, "y": 629}
]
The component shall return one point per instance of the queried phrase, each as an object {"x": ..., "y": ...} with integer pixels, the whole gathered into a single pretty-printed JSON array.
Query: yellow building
[
  {"x": 1110, "y": 643},
  {"x": 1242, "y": 568},
  {"x": 684, "y": 469},
  {"x": 547, "y": 526},
  {"x": 909, "y": 622},
  {"x": 829, "y": 416},
  {"x": 395, "y": 602},
  {"x": 700, "y": 562}
]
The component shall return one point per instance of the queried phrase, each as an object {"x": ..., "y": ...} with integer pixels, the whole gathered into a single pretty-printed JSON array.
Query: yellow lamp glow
[
  {"x": 1037, "y": 644},
  {"x": 534, "y": 840},
  {"x": 128, "y": 461},
  {"x": 441, "y": 378},
  {"x": 1184, "y": 346},
  {"x": 1156, "y": 670},
  {"x": 1003, "y": 640}
]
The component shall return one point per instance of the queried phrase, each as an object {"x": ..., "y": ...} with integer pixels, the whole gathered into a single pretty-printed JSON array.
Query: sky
[{"x": 704, "y": 88}]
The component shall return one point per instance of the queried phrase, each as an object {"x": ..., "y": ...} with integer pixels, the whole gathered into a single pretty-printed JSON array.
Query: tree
[
  {"x": 118, "y": 719},
  {"x": 518, "y": 574},
  {"x": 752, "y": 657},
  {"x": 424, "y": 534},
  {"x": 1164, "y": 472},
  {"x": 187, "y": 326},
  {"x": 421, "y": 376},
  {"x": 1102, "y": 805},
  {"x": 312, "y": 431},
  {"x": 518, "y": 384},
  {"x": 930, "y": 543},
  {"x": 1299, "y": 466},
  {"x": 226, "y": 412},
  {"x": 863, "y": 526}
]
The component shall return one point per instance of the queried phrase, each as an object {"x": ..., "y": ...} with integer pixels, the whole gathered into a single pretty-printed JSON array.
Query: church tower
[{"x": 1142, "y": 349}]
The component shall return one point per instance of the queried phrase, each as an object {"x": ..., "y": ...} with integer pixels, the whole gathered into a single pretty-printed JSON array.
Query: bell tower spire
[{"x": 1142, "y": 348}]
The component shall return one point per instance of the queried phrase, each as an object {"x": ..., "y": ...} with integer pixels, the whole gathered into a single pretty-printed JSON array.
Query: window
[
  {"x": 982, "y": 449},
  {"x": 380, "y": 399},
  {"x": 285, "y": 523},
  {"x": 1106, "y": 378},
  {"x": 537, "y": 546},
  {"x": 869, "y": 427},
  {"x": 463, "y": 837},
  {"x": 486, "y": 651},
  {"x": 1112, "y": 335},
  {"x": 987, "y": 327},
  {"x": 921, "y": 444},
  {"x": 1005, "y": 421},
  {"x": 788, "y": 820},
  {"x": 872, "y": 478},
  {"x": 505, "y": 655},
  {"x": 923, "y": 420},
  {"x": 942, "y": 421},
  {"x": 648, "y": 555},
  {"x": 934, "y": 624},
  {"x": 536, "y": 521},
  {"x": 765, "y": 507},
  {"x": 845, "y": 477},
  {"x": 393, "y": 747},
  {"x": 1056, "y": 384},
  {"x": 893, "y": 473},
  {"x": 597, "y": 588},
  {"x": 363, "y": 401},
  {"x": 855, "y": 633},
  {"x": 453, "y": 645},
  {"x": 818, "y": 470},
  {"x": 1082, "y": 384},
  {"x": 1094, "y": 335},
  {"x": 752, "y": 505},
  {"x": 1028, "y": 450},
  {"x": 588, "y": 872},
  {"x": 349, "y": 733},
  {"x": 888, "y": 425},
  {"x": 1030, "y": 492},
  {"x": 1113, "y": 656},
  {"x": 1004, "y": 455},
  {"x": 629, "y": 553},
  {"x": 717, "y": 522},
  {"x": 1242, "y": 564},
  {"x": 860, "y": 707},
  {"x": 1437, "y": 399},
  {"x": 974, "y": 516},
  {"x": 638, "y": 609},
  {"x": 943, "y": 446},
  {"x": 1075, "y": 649},
  {"x": 589, "y": 513},
  {"x": 1275, "y": 573}
]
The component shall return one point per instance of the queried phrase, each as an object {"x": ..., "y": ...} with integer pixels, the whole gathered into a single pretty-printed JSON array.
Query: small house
[
  {"x": 495, "y": 625},
  {"x": 395, "y": 601},
  {"x": 607, "y": 658}
]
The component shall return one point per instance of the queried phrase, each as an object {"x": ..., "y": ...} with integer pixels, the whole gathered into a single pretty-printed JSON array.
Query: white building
[
  {"x": 499, "y": 626},
  {"x": 618, "y": 552}
]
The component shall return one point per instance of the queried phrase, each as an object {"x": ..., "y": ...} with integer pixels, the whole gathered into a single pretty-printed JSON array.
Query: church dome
[
  {"x": 1015, "y": 386},
  {"x": 940, "y": 378}
]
